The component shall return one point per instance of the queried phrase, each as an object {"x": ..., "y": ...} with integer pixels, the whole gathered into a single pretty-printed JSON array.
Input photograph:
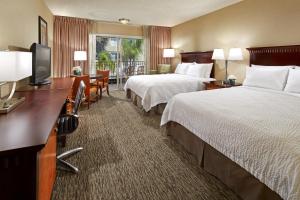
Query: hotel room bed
[
  {"x": 154, "y": 91},
  {"x": 247, "y": 137},
  {"x": 158, "y": 89}
]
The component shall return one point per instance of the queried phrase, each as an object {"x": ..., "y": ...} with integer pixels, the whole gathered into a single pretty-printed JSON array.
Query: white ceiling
[{"x": 140, "y": 12}]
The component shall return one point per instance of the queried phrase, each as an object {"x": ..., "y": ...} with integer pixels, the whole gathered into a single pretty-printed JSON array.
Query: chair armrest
[{"x": 68, "y": 115}]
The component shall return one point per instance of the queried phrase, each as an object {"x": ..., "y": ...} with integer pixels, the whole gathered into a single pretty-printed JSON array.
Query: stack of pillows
[
  {"x": 281, "y": 78},
  {"x": 194, "y": 69}
]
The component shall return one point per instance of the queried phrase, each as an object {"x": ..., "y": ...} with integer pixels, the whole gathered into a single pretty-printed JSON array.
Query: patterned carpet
[{"x": 128, "y": 156}]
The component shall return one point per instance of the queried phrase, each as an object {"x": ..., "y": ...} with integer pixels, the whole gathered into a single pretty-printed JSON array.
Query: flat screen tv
[{"x": 41, "y": 64}]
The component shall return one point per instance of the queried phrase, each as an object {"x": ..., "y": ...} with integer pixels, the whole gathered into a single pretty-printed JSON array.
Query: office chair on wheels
[{"x": 67, "y": 124}]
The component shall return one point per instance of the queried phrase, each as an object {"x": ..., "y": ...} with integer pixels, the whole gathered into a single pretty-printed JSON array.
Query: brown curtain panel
[
  {"x": 70, "y": 34},
  {"x": 160, "y": 39}
]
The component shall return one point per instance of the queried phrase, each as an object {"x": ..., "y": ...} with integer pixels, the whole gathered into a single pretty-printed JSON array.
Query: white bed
[
  {"x": 259, "y": 129},
  {"x": 255, "y": 128},
  {"x": 157, "y": 89},
  {"x": 151, "y": 91}
]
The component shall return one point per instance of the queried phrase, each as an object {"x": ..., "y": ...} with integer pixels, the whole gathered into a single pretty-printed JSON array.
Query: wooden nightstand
[{"x": 218, "y": 85}]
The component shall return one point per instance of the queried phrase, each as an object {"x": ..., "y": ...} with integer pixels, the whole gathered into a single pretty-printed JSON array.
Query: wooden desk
[
  {"x": 56, "y": 84},
  {"x": 28, "y": 142}
]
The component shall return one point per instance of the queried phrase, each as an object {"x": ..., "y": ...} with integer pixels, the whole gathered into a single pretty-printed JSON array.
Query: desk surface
[
  {"x": 92, "y": 76},
  {"x": 30, "y": 124},
  {"x": 56, "y": 84}
]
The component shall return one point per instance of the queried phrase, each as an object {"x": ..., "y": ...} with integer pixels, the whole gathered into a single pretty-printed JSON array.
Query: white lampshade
[
  {"x": 15, "y": 65},
  {"x": 80, "y": 55},
  {"x": 124, "y": 21},
  {"x": 235, "y": 54},
  {"x": 169, "y": 53},
  {"x": 218, "y": 54}
]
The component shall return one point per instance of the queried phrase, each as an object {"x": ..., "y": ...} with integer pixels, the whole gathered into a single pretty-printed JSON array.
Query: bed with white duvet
[
  {"x": 157, "y": 89},
  {"x": 257, "y": 126},
  {"x": 160, "y": 88}
]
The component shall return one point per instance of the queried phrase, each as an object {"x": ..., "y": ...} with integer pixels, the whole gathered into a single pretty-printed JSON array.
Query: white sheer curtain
[{"x": 92, "y": 55}]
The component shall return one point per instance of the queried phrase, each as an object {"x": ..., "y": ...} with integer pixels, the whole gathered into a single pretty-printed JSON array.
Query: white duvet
[
  {"x": 157, "y": 89},
  {"x": 258, "y": 129}
]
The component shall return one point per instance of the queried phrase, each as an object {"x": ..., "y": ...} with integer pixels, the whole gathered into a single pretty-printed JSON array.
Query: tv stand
[{"x": 45, "y": 82}]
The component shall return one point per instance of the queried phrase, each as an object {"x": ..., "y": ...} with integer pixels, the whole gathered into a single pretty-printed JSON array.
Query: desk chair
[{"x": 67, "y": 124}]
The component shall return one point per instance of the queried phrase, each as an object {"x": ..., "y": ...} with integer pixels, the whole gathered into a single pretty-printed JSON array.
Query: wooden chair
[
  {"x": 129, "y": 71},
  {"x": 87, "y": 92},
  {"x": 140, "y": 70},
  {"x": 104, "y": 82}
]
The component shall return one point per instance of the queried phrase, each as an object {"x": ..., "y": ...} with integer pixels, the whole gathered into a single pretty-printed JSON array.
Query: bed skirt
[
  {"x": 137, "y": 100},
  {"x": 231, "y": 174}
]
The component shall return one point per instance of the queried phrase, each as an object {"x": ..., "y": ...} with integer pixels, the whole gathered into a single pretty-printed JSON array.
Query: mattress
[
  {"x": 157, "y": 89},
  {"x": 258, "y": 129}
]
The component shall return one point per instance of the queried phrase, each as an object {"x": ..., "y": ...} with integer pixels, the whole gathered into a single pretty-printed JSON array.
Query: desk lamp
[
  {"x": 14, "y": 66},
  {"x": 79, "y": 56}
]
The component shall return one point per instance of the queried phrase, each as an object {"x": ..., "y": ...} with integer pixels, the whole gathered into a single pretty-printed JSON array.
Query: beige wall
[
  {"x": 116, "y": 29},
  {"x": 19, "y": 24},
  {"x": 249, "y": 23}
]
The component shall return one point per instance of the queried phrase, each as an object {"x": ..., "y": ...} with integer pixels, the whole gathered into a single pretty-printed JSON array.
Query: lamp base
[
  {"x": 226, "y": 82},
  {"x": 13, "y": 103}
]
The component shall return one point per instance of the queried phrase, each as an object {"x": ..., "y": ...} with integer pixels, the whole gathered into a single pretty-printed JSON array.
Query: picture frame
[{"x": 43, "y": 31}]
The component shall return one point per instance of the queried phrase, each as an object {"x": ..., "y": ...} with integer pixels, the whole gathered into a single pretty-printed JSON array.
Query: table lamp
[
  {"x": 166, "y": 68},
  {"x": 218, "y": 54},
  {"x": 234, "y": 54},
  {"x": 14, "y": 66},
  {"x": 79, "y": 56},
  {"x": 169, "y": 53}
]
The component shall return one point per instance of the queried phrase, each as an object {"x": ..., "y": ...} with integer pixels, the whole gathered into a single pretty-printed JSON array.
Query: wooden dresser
[{"x": 28, "y": 142}]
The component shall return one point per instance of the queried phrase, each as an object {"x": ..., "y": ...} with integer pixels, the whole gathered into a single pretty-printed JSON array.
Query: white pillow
[
  {"x": 182, "y": 68},
  {"x": 266, "y": 77},
  {"x": 196, "y": 70},
  {"x": 208, "y": 67},
  {"x": 265, "y": 66},
  {"x": 293, "y": 81}
]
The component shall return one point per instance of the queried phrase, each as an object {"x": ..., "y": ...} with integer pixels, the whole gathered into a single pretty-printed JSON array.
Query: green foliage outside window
[
  {"x": 105, "y": 62},
  {"x": 131, "y": 49}
]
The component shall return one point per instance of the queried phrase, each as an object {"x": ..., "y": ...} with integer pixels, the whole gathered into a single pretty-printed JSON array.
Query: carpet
[{"x": 127, "y": 155}]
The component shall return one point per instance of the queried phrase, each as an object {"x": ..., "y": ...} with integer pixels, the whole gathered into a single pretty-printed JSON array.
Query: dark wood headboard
[
  {"x": 276, "y": 56},
  {"x": 199, "y": 57}
]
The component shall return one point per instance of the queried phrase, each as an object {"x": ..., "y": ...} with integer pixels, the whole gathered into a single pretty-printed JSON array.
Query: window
[{"x": 123, "y": 56}]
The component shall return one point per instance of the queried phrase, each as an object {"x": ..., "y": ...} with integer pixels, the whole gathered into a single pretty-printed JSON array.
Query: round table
[{"x": 96, "y": 76}]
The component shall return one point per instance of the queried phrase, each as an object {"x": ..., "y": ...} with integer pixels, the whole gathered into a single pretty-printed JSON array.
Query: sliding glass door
[{"x": 123, "y": 56}]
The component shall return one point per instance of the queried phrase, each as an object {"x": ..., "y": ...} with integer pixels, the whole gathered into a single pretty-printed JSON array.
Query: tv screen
[{"x": 41, "y": 64}]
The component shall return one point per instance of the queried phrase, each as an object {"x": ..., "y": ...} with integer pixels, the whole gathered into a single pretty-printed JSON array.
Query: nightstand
[{"x": 218, "y": 85}]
